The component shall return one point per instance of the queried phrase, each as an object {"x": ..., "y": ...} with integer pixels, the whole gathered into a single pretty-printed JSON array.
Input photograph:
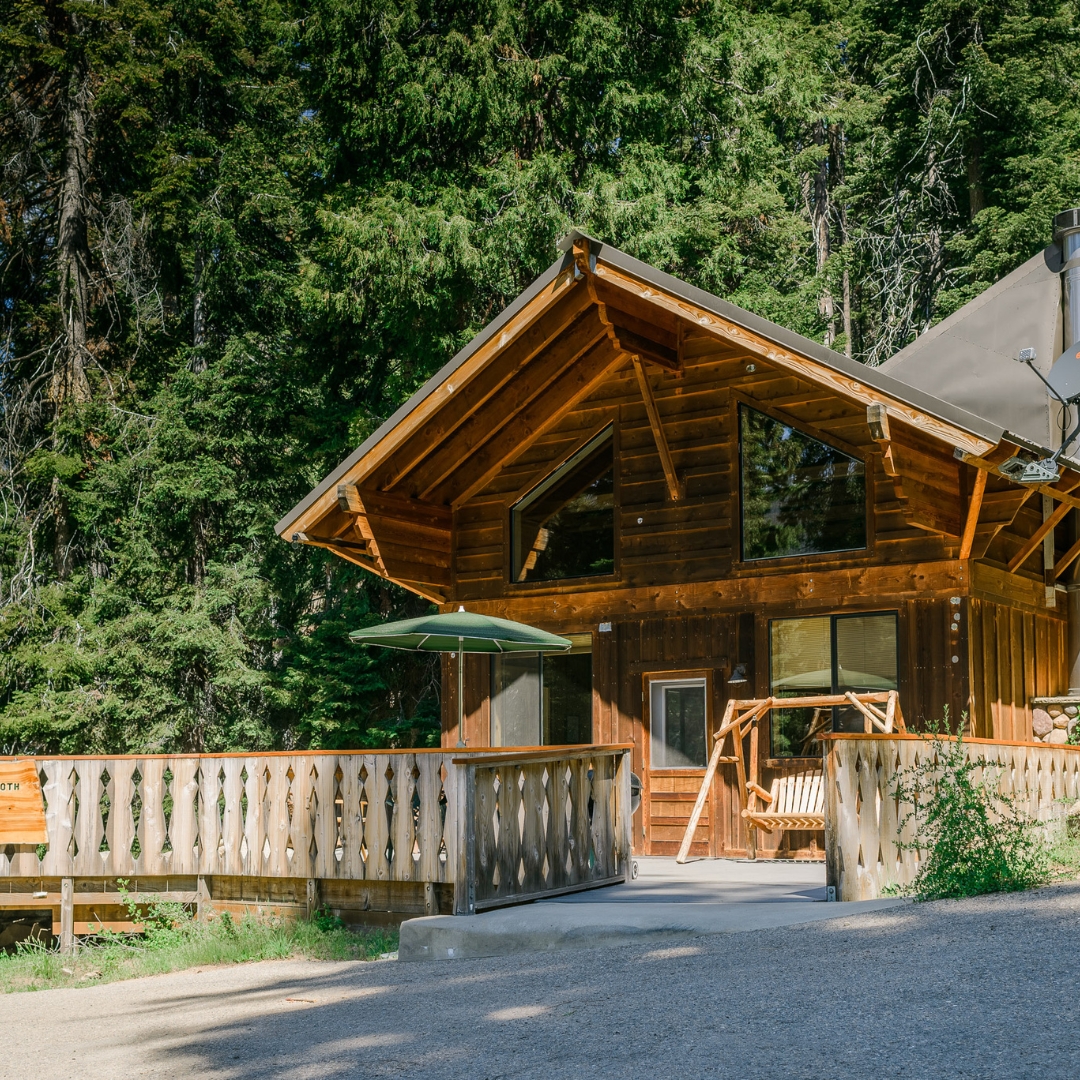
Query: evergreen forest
[{"x": 236, "y": 234}]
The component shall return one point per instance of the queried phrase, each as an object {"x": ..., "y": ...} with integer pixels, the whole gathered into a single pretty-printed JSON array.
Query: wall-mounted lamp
[{"x": 738, "y": 676}]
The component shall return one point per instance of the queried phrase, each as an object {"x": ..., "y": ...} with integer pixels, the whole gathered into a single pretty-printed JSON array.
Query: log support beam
[
  {"x": 675, "y": 489},
  {"x": 972, "y": 520}
]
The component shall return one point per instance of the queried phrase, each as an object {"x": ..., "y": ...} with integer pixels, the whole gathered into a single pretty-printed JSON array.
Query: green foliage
[
  {"x": 973, "y": 838},
  {"x": 295, "y": 211},
  {"x": 173, "y": 941}
]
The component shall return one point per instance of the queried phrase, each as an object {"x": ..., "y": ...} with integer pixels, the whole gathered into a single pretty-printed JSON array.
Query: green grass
[{"x": 174, "y": 941}]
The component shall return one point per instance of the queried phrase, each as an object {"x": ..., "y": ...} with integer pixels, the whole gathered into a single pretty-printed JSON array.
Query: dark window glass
[
  {"x": 677, "y": 722},
  {"x": 798, "y": 496},
  {"x": 567, "y": 698},
  {"x": 541, "y": 700},
  {"x": 827, "y": 654},
  {"x": 565, "y": 526},
  {"x": 515, "y": 699}
]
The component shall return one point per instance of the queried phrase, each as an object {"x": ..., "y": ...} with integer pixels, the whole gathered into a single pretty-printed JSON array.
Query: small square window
[{"x": 677, "y": 719}]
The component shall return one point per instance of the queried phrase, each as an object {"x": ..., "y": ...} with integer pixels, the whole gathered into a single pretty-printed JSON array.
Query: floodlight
[
  {"x": 1020, "y": 471},
  {"x": 1026, "y": 356}
]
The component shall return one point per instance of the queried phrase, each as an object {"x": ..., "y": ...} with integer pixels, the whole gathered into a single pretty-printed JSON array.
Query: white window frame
[{"x": 658, "y": 718}]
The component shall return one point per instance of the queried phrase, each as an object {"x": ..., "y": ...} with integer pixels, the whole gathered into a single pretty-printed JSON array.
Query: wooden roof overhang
[{"x": 389, "y": 506}]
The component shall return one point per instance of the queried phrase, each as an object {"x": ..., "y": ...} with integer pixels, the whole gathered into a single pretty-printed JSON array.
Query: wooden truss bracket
[
  {"x": 675, "y": 488},
  {"x": 971, "y": 522}
]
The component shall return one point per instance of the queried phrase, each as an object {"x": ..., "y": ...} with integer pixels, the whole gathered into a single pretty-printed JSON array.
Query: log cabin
[{"x": 709, "y": 505}]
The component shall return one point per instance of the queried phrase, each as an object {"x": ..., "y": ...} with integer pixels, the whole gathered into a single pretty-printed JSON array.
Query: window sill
[{"x": 563, "y": 583}]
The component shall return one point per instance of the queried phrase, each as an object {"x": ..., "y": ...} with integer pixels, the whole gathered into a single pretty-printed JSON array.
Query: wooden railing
[
  {"x": 321, "y": 815},
  {"x": 542, "y": 821},
  {"x": 541, "y": 824},
  {"x": 864, "y": 854}
]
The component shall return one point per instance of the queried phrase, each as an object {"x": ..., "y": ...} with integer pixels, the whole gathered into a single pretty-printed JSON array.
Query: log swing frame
[{"x": 741, "y": 719}]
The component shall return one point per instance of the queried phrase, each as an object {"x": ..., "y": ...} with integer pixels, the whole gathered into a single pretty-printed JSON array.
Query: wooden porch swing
[{"x": 796, "y": 801}]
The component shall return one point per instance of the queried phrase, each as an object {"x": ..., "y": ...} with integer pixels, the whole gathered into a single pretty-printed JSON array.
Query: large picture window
[
  {"x": 542, "y": 699},
  {"x": 827, "y": 654},
  {"x": 565, "y": 526},
  {"x": 798, "y": 495},
  {"x": 677, "y": 719}
]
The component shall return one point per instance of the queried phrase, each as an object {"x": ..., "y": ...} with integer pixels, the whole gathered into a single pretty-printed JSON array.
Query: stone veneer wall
[{"x": 1054, "y": 720}]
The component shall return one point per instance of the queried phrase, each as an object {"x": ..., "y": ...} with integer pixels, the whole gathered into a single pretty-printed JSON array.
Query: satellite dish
[{"x": 1064, "y": 377}]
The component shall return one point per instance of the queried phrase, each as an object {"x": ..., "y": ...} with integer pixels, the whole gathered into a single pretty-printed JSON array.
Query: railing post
[
  {"x": 464, "y": 878},
  {"x": 67, "y": 916},
  {"x": 832, "y": 846},
  {"x": 203, "y": 906},
  {"x": 623, "y": 818}
]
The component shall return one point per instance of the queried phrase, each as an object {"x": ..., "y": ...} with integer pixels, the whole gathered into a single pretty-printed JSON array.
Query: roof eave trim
[{"x": 425, "y": 391}]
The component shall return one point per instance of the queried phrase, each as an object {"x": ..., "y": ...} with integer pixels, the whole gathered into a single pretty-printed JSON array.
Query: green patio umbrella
[{"x": 460, "y": 632}]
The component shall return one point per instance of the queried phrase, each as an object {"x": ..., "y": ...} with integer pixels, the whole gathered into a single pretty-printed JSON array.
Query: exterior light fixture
[{"x": 738, "y": 676}]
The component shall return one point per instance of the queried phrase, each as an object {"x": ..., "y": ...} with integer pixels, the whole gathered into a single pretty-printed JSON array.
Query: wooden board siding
[
  {"x": 1014, "y": 655},
  {"x": 697, "y": 538},
  {"x": 680, "y": 586}
]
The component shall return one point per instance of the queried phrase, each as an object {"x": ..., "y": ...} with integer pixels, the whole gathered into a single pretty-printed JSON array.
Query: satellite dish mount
[{"x": 1064, "y": 385}]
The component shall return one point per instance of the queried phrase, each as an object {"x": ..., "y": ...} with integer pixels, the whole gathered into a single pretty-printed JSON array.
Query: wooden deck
[{"x": 374, "y": 837}]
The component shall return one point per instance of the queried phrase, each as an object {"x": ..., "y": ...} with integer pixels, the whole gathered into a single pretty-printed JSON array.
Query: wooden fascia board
[
  {"x": 803, "y": 366},
  {"x": 428, "y": 405}
]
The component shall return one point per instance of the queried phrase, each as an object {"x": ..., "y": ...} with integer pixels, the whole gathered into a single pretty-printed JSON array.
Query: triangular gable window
[
  {"x": 565, "y": 526},
  {"x": 798, "y": 495}
]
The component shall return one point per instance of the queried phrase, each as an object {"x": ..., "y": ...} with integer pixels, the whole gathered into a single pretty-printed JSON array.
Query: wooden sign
[{"x": 22, "y": 810}]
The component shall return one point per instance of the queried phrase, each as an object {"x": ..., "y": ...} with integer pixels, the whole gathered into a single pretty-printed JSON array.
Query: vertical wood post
[
  {"x": 312, "y": 896},
  {"x": 832, "y": 808},
  {"x": 67, "y": 916},
  {"x": 755, "y": 776},
  {"x": 202, "y": 899},
  {"x": 623, "y": 824},
  {"x": 431, "y": 904},
  {"x": 464, "y": 883}
]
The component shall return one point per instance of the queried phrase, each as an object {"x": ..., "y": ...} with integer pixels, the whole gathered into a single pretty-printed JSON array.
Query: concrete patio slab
[
  {"x": 547, "y": 927},
  {"x": 708, "y": 896}
]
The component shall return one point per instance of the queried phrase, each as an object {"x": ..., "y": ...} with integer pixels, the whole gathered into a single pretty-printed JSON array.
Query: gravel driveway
[{"x": 976, "y": 988}]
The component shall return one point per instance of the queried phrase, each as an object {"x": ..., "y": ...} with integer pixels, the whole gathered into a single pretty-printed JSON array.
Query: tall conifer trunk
[
  {"x": 73, "y": 250},
  {"x": 820, "y": 217}
]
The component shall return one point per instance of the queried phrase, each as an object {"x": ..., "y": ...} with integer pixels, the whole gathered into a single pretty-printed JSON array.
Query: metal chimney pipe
[{"x": 1067, "y": 234}]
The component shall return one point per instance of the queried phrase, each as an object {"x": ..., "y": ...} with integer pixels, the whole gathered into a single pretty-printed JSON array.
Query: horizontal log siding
[{"x": 697, "y": 538}]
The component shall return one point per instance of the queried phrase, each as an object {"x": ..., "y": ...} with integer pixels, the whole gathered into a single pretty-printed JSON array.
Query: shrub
[{"x": 973, "y": 839}]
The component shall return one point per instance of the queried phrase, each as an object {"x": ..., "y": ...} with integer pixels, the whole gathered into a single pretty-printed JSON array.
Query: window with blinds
[{"x": 827, "y": 654}]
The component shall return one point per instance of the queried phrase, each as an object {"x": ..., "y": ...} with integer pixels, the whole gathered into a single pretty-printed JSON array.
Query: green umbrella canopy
[
  {"x": 463, "y": 631},
  {"x": 460, "y": 632}
]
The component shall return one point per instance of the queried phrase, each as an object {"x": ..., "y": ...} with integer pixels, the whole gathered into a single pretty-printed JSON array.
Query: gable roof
[
  {"x": 673, "y": 298},
  {"x": 970, "y": 358}
]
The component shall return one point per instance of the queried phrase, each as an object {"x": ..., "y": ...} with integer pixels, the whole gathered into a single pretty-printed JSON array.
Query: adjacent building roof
[{"x": 970, "y": 358}]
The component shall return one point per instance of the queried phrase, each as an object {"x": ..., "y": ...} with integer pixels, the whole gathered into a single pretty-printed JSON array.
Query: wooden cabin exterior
[{"x": 767, "y": 517}]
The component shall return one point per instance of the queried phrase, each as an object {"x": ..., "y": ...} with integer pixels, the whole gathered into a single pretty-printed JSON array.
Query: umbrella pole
[{"x": 461, "y": 692}]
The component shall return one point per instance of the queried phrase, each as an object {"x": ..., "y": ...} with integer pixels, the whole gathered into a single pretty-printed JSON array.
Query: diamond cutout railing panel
[{"x": 389, "y": 816}]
